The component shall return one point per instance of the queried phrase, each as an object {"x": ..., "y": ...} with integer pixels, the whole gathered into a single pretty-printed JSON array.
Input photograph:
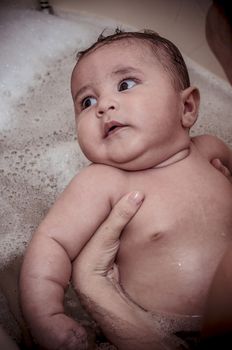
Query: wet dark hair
[{"x": 165, "y": 51}]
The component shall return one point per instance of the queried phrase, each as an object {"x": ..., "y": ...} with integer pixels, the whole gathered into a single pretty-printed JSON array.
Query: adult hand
[
  {"x": 96, "y": 261},
  {"x": 222, "y": 168},
  {"x": 95, "y": 279}
]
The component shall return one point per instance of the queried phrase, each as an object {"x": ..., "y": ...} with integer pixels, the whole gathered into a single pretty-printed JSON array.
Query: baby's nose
[{"x": 106, "y": 105}]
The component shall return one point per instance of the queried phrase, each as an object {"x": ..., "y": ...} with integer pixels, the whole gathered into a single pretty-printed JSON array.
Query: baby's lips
[{"x": 110, "y": 126}]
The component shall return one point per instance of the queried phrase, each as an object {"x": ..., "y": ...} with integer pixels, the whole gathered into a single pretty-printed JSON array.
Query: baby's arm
[
  {"x": 46, "y": 269},
  {"x": 213, "y": 148}
]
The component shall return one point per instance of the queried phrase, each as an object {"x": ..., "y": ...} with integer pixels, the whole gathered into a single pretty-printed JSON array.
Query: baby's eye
[
  {"x": 88, "y": 102},
  {"x": 126, "y": 84}
]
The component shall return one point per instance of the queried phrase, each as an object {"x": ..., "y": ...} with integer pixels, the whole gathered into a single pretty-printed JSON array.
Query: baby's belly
[
  {"x": 170, "y": 250},
  {"x": 168, "y": 264},
  {"x": 166, "y": 276}
]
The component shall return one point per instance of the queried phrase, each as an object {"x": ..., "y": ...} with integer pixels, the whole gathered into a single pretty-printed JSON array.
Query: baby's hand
[{"x": 60, "y": 332}]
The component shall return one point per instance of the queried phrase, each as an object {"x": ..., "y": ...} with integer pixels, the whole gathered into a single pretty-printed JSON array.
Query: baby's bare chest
[
  {"x": 184, "y": 224},
  {"x": 183, "y": 201}
]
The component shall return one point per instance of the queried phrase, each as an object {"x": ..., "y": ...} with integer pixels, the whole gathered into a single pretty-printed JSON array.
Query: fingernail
[{"x": 136, "y": 197}]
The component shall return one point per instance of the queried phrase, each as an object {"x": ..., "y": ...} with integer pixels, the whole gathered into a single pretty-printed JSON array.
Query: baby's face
[{"x": 128, "y": 114}]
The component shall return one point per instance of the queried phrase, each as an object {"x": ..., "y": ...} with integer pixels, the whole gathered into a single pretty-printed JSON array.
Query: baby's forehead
[
  {"x": 118, "y": 52},
  {"x": 122, "y": 42}
]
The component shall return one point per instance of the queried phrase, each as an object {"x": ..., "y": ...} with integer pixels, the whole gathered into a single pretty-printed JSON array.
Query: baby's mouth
[{"x": 111, "y": 127}]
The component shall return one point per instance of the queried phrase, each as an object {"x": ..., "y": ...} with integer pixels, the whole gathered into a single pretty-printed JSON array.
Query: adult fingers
[
  {"x": 121, "y": 214},
  {"x": 221, "y": 167},
  {"x": 98, "y": 255}
]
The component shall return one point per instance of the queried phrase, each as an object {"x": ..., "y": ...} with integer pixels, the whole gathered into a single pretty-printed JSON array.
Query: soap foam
[{"x": 39, "y": 153}]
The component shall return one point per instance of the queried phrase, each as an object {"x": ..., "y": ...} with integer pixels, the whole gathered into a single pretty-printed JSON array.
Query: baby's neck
[{"x": 174, "y": 158}]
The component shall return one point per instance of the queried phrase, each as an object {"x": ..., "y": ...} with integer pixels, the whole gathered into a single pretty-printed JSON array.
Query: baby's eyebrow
[
  {"x": 122, "y": 70},
  {"x": 81, "y": 91}
]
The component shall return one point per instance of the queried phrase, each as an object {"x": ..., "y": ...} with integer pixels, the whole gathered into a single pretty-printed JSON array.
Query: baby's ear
[{"x": 190, "y": 100}]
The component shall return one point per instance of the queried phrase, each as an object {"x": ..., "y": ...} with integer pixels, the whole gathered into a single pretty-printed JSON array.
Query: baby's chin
[
  {"x": 145, "y": 163},
  {"x": 128, "y": 160}
]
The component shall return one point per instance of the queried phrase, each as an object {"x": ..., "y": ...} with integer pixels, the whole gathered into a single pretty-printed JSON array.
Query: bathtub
[{"x": 39, "y": 153}]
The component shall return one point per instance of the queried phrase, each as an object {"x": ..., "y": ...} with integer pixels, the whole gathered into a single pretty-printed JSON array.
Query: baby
[{"x": 134, "y": 108}]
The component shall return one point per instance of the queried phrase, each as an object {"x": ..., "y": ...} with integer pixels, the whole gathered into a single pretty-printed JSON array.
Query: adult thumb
[
  {"x": 121, "y": 214},
  {"x": 98, "y": 255}
]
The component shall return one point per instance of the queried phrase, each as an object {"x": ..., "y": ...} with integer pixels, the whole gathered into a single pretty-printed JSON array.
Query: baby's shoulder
[
  {"x": 205, "y": 139},
  {"x": 99, "y": 178},
  {"x": 101, "y": 172}
]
